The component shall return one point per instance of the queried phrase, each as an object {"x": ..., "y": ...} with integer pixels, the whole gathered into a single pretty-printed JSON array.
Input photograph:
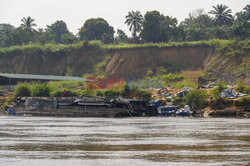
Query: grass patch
[
  {"x": 176, "y": 81},
  {"x": 226, "y": 47}
]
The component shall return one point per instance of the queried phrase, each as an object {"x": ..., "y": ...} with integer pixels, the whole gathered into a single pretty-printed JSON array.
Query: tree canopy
[
  {"x": 121, "y": 36},
  {"x": 218, "y": 23},
  {"x": 151, "y": 26},
  {"x": 57, "y": 30},
  {"x": 160, "y": 28},
  {"x": 97, "y": 29}
]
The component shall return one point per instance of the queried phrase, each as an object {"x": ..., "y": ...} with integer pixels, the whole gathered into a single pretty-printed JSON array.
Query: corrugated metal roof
[{"x": 42, "y": 77}]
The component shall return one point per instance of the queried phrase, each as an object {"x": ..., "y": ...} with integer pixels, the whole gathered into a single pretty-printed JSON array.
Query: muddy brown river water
[{"x": 152, "y": 141}]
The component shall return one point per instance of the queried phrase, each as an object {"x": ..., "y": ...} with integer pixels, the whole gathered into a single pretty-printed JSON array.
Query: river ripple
[{"x": 41, "y": 141}]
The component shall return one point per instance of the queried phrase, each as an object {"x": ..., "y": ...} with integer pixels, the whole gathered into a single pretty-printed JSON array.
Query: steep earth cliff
[{"x": 122, "y": 62}]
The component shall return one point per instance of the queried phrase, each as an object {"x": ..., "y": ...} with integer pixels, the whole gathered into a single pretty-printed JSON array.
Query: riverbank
[
  {"x": 102, "y": 107},
  {"x": 84, "y": 106},
  {"x": 231, "y": 111}
]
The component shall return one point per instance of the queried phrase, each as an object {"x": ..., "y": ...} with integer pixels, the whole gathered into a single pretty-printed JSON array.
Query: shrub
[
  {"x": 149, "y": 73},
  {"x": 142, "y": 94},
  {"x": 175, "y": 80},
  {"x": 41, "y": 90},
  {"x": 22, "y": 90},
  {"x": 178, "y": 101},
  {"x": 172, "y": 77},
  {"x": 242, "y": 87},
  {"x": 196, "y": 98},
  {"x": 216, "y": 92}
]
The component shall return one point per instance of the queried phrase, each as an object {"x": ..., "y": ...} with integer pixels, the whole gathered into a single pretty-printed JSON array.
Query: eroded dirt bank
[{"x": 133, "y": 62}]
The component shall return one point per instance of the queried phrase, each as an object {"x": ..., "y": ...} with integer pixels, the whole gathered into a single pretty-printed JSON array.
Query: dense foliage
[
  {"x": 218, "y": 23},
  {"x": 22, "y": 90},
  {"x": 97, "y": 29},
  {"x": 41, "y": 90},
  {"x": 196, "y": 98},
  {"x": 243, "y": 87}
]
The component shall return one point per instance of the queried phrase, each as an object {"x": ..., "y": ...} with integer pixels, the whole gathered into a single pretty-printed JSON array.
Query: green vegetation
[
  {"x": 22, "y": 90},
  {"x": 160, "y": 45},
  {"x": 179, "y": 101},
  {"x": 100, "y": 67},
  {"x": 50, "y": 89},
  {"x": 229, "y": 35},
  {"x": 152, "y": 27},
  {"x": 66, "y": 88},
  {"x": 97, "y": 29},
  {"x": 233, "y": 48},
  {"x": 134, "y": 21},
  {"x": 222, "y": 14},
  {"x": 74, "y": 88},
  {"x": 149, "y": 73},
  {"x": 41, "y": 90},
  {"x": 176, "y": 81},
  {"x": 216, "y": 92},
  {"x": 184, "y": 83},
  {"x": 196, "y": 98},
  {"x": 59, "y": 33},
  {"x": 225, "y": 47},
  {"x": 226, "y": 50},
  {"x": 243, "y": 87},
  {"x": 28, "y": 23},
  {"x": 171, "y": 77},
  {"x": 160, "y": 28},
  {"x": 61, "y": 85},
  {"x": 109, "y": 93},
  {"x": 121, "y": 37},
  {"x": 137, "y": 93}
]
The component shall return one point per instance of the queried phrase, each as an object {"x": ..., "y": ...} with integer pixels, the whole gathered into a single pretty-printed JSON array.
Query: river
[{"x": 152, "y": 141}]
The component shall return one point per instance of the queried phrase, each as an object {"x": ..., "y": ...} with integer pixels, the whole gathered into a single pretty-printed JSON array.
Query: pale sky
[{"x": 76, "y": 12}]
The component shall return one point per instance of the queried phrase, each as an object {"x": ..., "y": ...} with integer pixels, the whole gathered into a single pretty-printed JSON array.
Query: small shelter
[{"x": 13, "y": 79}]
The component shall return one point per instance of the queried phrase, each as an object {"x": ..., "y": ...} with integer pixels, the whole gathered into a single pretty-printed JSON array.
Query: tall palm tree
[
  {"x": 28, "y": 23},
  {"x": 222, "y": 14},
  {"x": 134, "y": 20}
]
